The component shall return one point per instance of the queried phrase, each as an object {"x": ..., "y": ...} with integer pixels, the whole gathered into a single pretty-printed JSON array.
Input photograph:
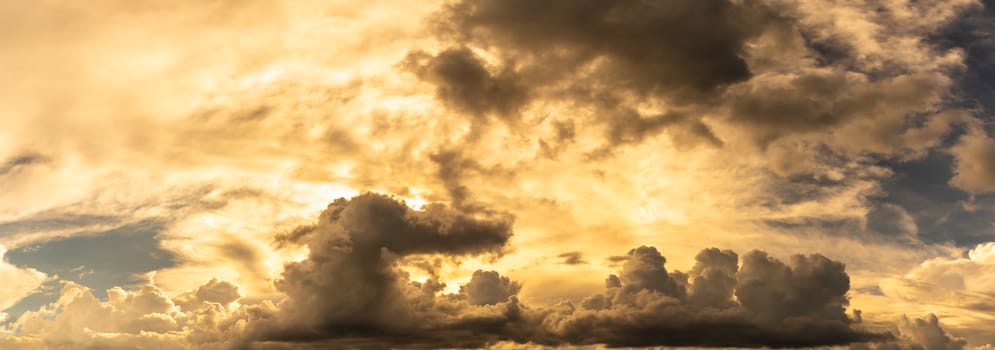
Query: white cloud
[
  {"x": 961, "y": 290},
  {"x": 144, "y": 318},
  {"x": 16, "y": 283}
]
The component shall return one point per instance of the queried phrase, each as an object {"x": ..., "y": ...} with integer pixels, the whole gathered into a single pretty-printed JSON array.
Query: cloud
[
  {"x": 891, "y": 220},
  {"x": 351, "y": 291},
  {"x": 348, "y": 287},
  {"x": 566, "y": 103},
  {"x": 455, "y": 167},
  {"x": 464, "y": 83},
  {"x": 918, "y": 334},
  {"x": 630, "y": 127},
  {"x": 55, "y": 221},
  {"x": 572, "y": 258},
  {"x": 16, "y": 282},
  {"x": 599, "y": 54},
  {"x": 452, "y": 168},
  {"x": 143, "y": 318},
  {"x": 15, "y": 164},
  {"x": 879, "y": 222},
  {"x": 770, "y": 70},
  {"x": 489, "y": 288},
  {"x": 974, "y": 169},
  {"x": 640, "y": 46},
  {"x": 963, "y": 288},
  {"x": 771, "y": 106},
  {"x": 644, "y": 270},
  {"x": 928, "y": 333},
  {"x": 775, "y": 305}
]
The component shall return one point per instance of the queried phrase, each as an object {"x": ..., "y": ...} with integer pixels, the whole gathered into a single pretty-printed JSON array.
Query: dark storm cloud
[
  {"x": 810, "y": 288},
  {"x": 464, "y": 83},
  {"x": 685, "y": 48},
  {"x": 349, "y": 287},
  {"x": 643, "y": 270},
  {"x": 715, "y": 277},
  {"x": 777, "y": 305},
  {"x": 350, "y": 292},
  {"x": 603, "y": 55},
  {"x": 691, "y": 59}
]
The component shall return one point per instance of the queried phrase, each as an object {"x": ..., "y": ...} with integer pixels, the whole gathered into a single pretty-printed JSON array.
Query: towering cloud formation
[
  {"x": 350, "y": 291},
  {"x": 349, "y": 286}
]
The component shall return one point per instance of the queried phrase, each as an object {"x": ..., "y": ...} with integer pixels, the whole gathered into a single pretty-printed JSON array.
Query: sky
[{"x": 510, "y": 174}]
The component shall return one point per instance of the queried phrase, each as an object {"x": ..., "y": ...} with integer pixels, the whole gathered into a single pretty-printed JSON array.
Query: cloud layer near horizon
[{"x": 350, "y": 291}]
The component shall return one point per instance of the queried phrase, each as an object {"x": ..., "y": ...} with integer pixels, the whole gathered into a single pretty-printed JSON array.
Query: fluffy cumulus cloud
[
  {"x": 960, "y": 288},
  {"x": 918, "y": 334},
  {"x": 143, "y": 318},
  {"x": 717, "y": 304}
]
